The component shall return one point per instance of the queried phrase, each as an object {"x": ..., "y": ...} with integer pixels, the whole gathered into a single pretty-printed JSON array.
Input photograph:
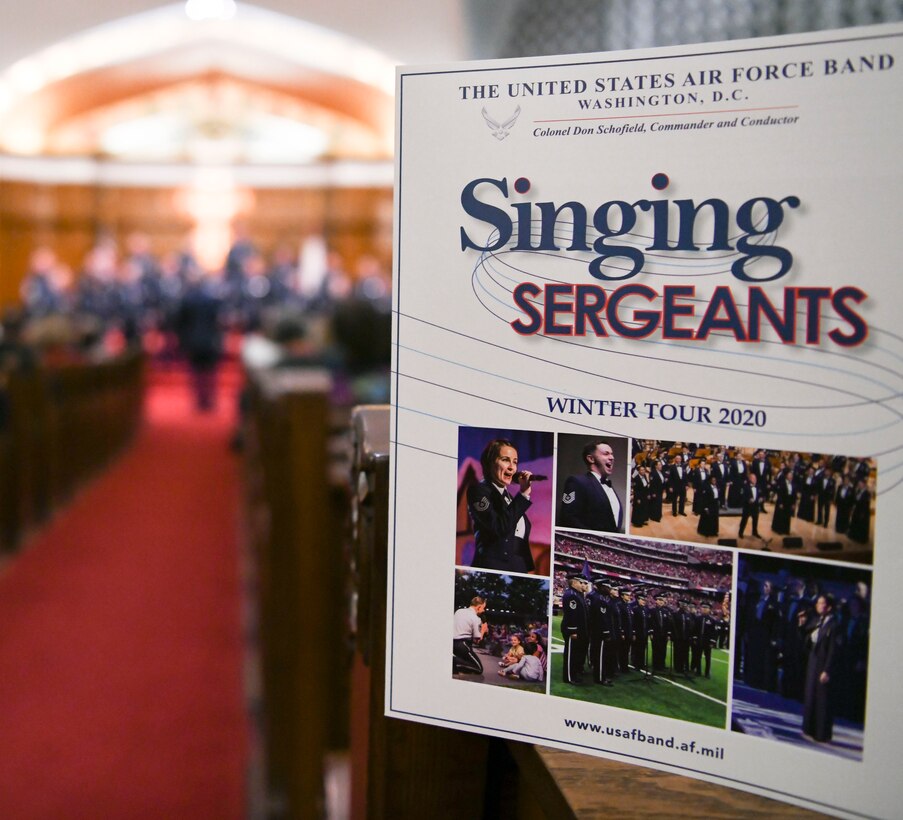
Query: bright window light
[{"x": 210, "y": 9}]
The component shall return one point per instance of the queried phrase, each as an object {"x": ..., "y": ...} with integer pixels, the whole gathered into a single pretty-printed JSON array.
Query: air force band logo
[
  {"x": 501, "y": 130},
  {"x": 568, "y": 498},
  {"x": 482, "y": 505}
]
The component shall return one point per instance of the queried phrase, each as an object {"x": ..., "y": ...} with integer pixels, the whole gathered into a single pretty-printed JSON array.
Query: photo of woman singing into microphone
[{"x": 504, "y": 500}]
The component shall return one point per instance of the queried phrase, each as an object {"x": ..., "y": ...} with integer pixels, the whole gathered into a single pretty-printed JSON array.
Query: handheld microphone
[{"x": 518, "y": 475}]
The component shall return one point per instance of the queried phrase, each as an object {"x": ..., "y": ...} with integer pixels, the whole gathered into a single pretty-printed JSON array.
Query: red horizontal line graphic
[{"x": 675, "y": 114}]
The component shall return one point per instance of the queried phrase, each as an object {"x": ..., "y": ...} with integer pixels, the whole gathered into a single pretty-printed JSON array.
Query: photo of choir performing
[
  {"x": 802, "y": 646},
  {"x": 642, "y": 625},
  {"x": 754, "y": 498}
]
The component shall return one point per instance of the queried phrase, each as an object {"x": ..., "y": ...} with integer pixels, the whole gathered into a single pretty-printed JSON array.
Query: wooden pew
[
  {"x": 28, "y": 411},
  {"x": 63, "y": 424},
  {"x": 8, "y": 517},
  {"x": 92, "y": 412},
  {"x": 402, "y": 769},
  {"x": 295, "y": 518},
  {"x": 399, "y": 769}
]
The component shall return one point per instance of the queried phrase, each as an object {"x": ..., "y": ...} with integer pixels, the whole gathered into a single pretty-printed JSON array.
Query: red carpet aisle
[{"x": 120, "y": 637}]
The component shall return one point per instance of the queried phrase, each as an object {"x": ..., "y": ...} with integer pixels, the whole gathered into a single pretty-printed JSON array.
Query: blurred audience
[{"x": 275, "y": 313}]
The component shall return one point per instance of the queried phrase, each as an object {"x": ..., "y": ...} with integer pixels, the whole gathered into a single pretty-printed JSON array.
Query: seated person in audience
[
  {"x": 14, "y": 352},
  {"x": 529, "y": 667},
  {"x": 535, "y": 639},
  {"x": 514, "y": 654}
]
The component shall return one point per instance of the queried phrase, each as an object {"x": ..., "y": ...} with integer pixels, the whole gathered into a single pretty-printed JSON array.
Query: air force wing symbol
[
  {"x": 573, "y": 604},
  {"x": 568, "y": 498},
  {"x": 482, "y": 505},
  {"x": 501, "y": 130}
]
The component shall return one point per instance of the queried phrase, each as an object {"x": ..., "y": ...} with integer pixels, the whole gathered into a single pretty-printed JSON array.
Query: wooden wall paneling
[{"x": 356, "y": 222}]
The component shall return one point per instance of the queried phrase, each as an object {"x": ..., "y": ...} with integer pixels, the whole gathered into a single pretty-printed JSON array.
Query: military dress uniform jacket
[
  {"x": 642, "y": 625},
  {"x": 574, "y": 630},
  {"x": 574, "y": 616},
  {"x": 707, "y": 631},
  {"x": 585, "y": 505},
  {"x": 662, "y": 624},
  {"x": 494, "y": 523}
]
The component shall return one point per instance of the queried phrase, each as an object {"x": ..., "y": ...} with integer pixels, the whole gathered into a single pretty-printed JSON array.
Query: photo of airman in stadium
[
  {"x": 754, "y": 498},
  {"x": 642, "y": 625},
  {"x": 501, "y": 630}
]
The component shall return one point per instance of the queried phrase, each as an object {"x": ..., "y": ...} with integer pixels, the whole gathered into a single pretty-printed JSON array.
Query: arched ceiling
[
  {"x": 406, "y": 31},
  {"x": 259, "y": 87}
]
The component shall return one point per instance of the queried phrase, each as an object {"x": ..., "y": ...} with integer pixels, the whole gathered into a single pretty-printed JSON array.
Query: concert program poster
[{"x": 646, "y": 441}]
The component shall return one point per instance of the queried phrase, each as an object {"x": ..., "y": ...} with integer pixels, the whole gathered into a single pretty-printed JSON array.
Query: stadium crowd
[{"x": 650, "y": 562}]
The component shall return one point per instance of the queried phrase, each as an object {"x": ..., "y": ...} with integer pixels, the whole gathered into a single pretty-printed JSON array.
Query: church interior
[{"x": 196, "y": 228}]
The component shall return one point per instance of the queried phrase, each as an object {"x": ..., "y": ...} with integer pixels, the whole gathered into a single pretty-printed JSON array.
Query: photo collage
[{"x": 721, "y": 585}]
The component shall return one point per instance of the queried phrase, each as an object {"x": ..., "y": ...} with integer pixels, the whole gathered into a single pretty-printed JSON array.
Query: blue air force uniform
[
  {"x": 501, "y": 528},
  {"x": 586, "y": 505},
  {"x": 574, "y": 630}
]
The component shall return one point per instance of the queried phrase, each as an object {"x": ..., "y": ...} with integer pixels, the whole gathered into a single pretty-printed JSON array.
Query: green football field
[{"x": 699, "y": 700}]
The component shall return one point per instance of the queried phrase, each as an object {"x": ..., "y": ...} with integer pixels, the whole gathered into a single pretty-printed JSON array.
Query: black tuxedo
[
  {"x": 762, "y": 469},
  {"x": 827, "y": 486},
  {"x": 739, "y": 475},
  {"x": 845, "y": 499},
  {"x": 720, "y": 471},
  {"x": 701, "y": 478},
  {"x": 585, "y": 505},
  {"x": 751, "y": 507},
  {"x": 677, "y": 481}
]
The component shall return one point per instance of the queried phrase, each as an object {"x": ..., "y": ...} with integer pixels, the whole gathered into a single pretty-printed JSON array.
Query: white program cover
[{"x": 626, "y": 284}]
